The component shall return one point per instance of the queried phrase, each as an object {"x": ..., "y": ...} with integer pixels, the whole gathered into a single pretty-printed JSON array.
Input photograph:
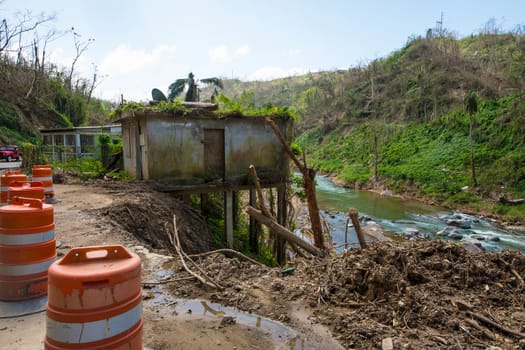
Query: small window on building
[
  {"x": 70, "y": 140},
  {"x": 59, "y": 140}
]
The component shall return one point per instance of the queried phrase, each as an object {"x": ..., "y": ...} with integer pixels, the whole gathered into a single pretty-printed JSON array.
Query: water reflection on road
[
  {"x": 6, "y": 166},
  {"x": 283, "y": 337},
  {"x": 409, "y": 218}
]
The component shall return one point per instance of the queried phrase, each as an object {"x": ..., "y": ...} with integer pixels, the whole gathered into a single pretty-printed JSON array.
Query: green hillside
[
  {"x": 400, "y": 123},
  {"x": 33, "y": 97}
]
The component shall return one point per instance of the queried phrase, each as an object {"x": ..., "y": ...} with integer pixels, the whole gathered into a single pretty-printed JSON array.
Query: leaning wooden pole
[
  {"x": 281, "y": 231},
  {"x": 309, "y": 188},
  {"x": 357, "y": 226}
]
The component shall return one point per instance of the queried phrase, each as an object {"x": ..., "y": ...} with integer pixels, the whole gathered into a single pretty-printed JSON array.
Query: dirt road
[{"x": 169, "y": 322}]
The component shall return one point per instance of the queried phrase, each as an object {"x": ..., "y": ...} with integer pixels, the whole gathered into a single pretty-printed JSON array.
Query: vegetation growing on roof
[
  {"x": 227, "y": 107},
  {"x": 167, "y": 106},
  {"x": 241, "y": 106}
]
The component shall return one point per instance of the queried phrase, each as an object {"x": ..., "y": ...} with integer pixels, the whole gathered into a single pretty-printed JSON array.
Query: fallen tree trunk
[
  {"x": 282, "y": 231},
  {"x": 504, "y": 200}
]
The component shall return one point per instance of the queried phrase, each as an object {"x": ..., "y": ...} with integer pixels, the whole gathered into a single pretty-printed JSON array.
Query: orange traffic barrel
[
  {"x": 27, "y": 248},
  {"x": 27, "y": 189},
  {"x": 5, "y": 180},
  {"x": 44, "y": 174},
  {"x": 95, "y": 300}
]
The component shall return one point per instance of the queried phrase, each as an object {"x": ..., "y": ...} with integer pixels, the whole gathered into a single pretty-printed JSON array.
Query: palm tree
[{"x": 191, "y": 84}]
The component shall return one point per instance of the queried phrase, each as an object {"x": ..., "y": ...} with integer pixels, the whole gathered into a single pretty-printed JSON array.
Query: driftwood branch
[
  {"x": 229, "y": 252},
  {"x": 483, "y": 330},
  {"x": 282, "y": 231},
  {"x": 176, "y": 243},
  {"x": 504, "y": 200},
  {"x": 496, "y": 325},
  {"x": 169, "y": 281},
  {"x": 521, "y": 283},
  {"x": 296, "y": 249}
]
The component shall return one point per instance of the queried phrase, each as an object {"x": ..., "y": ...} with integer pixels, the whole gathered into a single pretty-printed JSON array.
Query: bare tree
[
  {"x": 40, "y": 61},
  {"x": 97, "y": 79},
  {"x": 24, "y": 23},
  {"x": 80, "y": 48},
  {"x": 491, "y": 27}
]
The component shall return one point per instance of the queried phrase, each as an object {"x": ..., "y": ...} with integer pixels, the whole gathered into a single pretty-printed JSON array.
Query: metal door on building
[{"x": 214, "y": 167}]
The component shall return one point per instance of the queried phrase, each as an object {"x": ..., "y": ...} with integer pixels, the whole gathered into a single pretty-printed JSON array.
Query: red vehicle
[{"x": 10, "y": 153}]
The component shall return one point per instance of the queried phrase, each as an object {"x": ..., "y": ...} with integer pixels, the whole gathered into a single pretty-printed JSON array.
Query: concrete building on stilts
[{"x": 198, "y": 150}]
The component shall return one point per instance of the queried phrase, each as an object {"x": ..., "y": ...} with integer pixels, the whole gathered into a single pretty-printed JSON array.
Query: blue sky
[{"x": 141, "y": 44}]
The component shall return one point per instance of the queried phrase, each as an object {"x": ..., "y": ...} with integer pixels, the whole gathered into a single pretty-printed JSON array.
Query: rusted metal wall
[{"x": 173, "y": 149}]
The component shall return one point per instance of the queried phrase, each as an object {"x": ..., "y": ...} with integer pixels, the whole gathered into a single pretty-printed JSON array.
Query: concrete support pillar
[
  {"x": 228, "y": 218},
  {"x": 53, "y": 143},
  {"x": 78, "y": 145},
  {"x": 282, "y": 217}
]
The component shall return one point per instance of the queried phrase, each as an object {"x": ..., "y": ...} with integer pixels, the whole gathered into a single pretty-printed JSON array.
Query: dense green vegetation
[{"x": 434, "y": 156}]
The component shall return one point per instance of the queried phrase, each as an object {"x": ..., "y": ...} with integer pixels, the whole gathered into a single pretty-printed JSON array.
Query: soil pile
[{"x": 148, "y": 215}]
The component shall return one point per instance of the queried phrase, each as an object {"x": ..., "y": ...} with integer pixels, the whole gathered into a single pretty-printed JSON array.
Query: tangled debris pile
[{"x": 424, "y": 294}]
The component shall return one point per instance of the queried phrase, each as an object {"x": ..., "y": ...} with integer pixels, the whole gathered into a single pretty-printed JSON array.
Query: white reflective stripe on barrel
[
  {"x": 29, "y": 238},
  {"x": 4, "y": 188},
  {"x": 76, "y": 333},
  {"x": 41, "y": 179},
  {"x": 24, "y": 270}
]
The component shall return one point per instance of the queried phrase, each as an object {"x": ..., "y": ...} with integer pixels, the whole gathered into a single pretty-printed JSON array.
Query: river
[{"x": 408, "y": 218}]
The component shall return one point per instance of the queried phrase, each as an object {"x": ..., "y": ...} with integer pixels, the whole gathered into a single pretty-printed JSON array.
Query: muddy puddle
[
  {"x": 283, "y": 336},
  {"x": 184, "y": 309}
]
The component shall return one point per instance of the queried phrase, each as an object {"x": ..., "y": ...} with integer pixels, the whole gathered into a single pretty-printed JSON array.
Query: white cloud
[
  {"x": 83, "y": 67},
  {"x": 124, "y": 59},
  {"x": 131, "y": 93},
  {"x": 219, "y": 54},
  {"x": 57, "y": 57},
  {"x": 222, "y": 54},
  {"x": 268, "y": 72},
  {"x": 243, "y": 51},
  {"x": 293, "y": 52}
]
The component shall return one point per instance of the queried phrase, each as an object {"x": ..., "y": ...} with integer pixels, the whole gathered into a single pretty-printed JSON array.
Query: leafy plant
[{"x": 190, "y": 84}]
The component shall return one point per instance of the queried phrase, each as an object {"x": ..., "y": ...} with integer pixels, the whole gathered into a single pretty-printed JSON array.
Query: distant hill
[{"x": 428, "y": 77}]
